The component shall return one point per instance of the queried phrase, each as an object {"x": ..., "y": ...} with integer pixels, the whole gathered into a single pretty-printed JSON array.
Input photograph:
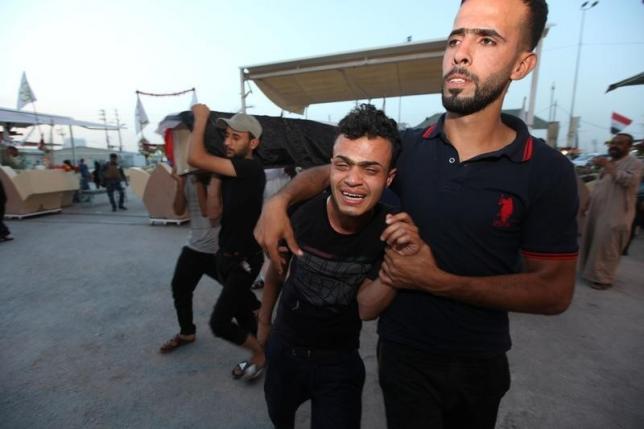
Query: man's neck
[
  {"x": 478, "y": 133},
  {"x": 343, "y": 224}
]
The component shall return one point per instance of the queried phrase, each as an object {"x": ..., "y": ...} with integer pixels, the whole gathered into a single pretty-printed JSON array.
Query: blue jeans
[
  {"x": 332, "y": 380},
  {"x": 423, "y": 390}
]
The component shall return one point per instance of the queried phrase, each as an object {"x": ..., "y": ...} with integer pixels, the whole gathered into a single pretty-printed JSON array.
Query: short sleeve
[
  {"x": 246, "y": 167},
  {"x": 550, "y": 230}
]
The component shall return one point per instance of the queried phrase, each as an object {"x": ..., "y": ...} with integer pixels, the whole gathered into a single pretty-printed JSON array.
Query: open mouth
[
  {"x": 458, "y": 77},
  {"x": 353, "y": 197},
  {"x": 456, "y": 81}
]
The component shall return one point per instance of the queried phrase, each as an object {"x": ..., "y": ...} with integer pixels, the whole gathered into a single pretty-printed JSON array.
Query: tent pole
[
  {"x": 71, "y": 139},
  {"x": 243, "y": 90}
]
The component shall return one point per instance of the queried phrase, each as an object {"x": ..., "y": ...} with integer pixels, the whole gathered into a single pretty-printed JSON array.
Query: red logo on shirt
[{"x": 506, "y": 208}]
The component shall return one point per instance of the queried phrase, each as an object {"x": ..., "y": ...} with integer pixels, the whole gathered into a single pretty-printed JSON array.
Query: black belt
[
  {"x": 307, "y": 353},
  {"x": 235, "y": 254}
]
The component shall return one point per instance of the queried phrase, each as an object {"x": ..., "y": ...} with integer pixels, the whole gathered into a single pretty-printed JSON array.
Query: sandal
[
  {"x": 247, "y": 370},
  {"x": 174, "y": 343},
  {"x": 7, "y": 237},
  {"x": 600, "y": 286},
  {"x": 254, "y": 372}
]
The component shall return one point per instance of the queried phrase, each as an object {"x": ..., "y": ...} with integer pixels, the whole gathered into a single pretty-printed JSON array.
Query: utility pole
[
  {"x": 103, "y": 117},
  {"x": 118, "y": 128},
  {"x": 529, "y": 115},
  {"x": 551, "y": 116},
  {"x": 572, "y": 132}
]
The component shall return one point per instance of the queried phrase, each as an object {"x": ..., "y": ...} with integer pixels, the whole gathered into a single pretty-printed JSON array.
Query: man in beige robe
[{"x": 611, "y": 212}]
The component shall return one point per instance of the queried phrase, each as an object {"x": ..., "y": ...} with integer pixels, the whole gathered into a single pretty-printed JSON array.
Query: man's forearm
[
  {"x": 373, "y": 298},
  {"x": 305, "y": 185},
  {"x": 530, "y": 292},
  {"x": 196, "y": 150},
  {"x": 179, "y": 203},
  {"x": 272, "y": 288},
  {"x": 214, "y": 203}
]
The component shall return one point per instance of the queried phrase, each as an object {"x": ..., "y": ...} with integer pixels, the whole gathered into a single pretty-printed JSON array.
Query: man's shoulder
[
  {"x": 246, "y": 167},
  {"x": 634, "y": 161},
  {"x": 414, "y": 135},
  {"x": 311, "y": 206},
  {"x": 549, "y": 158}
]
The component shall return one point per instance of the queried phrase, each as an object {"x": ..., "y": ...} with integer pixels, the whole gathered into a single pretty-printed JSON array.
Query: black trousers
[
  {"x": 191, "y": 266},
  {"x": 233, "y": 317},
  {"x": 332, "y": 380},
  {"x": 422, "y": 390}
]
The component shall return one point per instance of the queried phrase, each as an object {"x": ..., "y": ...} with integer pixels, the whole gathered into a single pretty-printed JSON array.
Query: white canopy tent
[
  {"x": 11, "y": 118},
  {"x": 406, "y": 69}
]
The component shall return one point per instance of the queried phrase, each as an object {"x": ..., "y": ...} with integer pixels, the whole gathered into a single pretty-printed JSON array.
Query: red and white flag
[{"x": 618, "y": 123}]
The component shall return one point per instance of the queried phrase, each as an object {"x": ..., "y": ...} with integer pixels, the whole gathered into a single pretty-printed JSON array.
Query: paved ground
[{"x": 85, "y": 303}]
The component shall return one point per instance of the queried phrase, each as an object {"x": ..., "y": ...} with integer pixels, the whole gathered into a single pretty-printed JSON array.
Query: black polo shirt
[{"x": 479, "y": 217}]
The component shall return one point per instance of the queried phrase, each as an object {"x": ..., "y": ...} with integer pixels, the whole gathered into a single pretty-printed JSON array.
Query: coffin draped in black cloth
[{"x": 284, "y": 141}]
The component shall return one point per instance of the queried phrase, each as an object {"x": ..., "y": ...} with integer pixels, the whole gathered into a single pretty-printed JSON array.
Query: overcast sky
[{"x": 83, "y": 56}]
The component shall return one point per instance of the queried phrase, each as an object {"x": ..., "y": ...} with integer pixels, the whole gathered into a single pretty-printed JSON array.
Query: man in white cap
[{"x": 239, "y": 258}]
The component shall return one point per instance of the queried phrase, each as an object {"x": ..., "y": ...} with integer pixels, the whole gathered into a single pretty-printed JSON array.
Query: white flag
[
  {"x": 194, "y": 99},
  {"x": 25, "y": 94},
  {"x": 141, "y": 118}
]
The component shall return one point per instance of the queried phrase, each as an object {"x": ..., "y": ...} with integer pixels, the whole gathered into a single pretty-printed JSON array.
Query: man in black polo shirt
[
  {"x": 239, "y": 258},
  {"x": 313, "y": 347},
  {"x": 496, "y": 212}
]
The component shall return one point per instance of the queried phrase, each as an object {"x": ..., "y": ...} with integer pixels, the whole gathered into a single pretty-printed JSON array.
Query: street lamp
[{"x": 571, "y": 128}]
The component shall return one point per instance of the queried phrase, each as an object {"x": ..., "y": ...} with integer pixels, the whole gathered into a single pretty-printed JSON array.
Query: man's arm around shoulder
[{"x": 274, "y": 224}]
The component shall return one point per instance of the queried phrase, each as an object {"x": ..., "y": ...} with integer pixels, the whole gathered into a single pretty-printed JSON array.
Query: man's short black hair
[
  {"x": 113, "y": 155},
  {"x": 536, "y": 22},
  {"x": 366, "y": 120},
  {"x": 630, "y": 137}
]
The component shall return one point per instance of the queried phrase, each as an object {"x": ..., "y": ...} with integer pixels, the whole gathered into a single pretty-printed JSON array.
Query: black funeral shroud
[{"x": 284, "y": 141}]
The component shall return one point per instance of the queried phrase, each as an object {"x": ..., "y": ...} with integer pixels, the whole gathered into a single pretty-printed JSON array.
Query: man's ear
[
  {"x": 254, "y": 143},
  {"x": 390, "y": 177},
  {"x": 526, "y": 63}
]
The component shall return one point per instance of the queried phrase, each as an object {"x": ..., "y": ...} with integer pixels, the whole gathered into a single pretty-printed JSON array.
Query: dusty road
[{"x": 85, "y": 304}]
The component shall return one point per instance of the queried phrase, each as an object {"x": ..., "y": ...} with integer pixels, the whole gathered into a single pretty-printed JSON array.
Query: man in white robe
[{"x": 611, "y": 212}]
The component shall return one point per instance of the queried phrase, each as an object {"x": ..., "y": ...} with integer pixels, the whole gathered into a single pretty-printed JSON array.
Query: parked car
[{"x": 584, "y": 159}]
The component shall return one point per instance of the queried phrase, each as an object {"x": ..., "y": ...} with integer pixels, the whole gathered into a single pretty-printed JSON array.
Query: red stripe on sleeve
[{"x": 550, "y": 256}]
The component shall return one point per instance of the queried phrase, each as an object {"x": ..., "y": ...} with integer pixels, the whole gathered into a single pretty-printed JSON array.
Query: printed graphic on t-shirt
[{"x": 325, "y": 283}]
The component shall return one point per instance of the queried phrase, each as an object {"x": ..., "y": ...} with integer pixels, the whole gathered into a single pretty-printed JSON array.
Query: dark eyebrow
[
  {"x": 360, "y": 164},
  {"x": 478, "y": 31}
]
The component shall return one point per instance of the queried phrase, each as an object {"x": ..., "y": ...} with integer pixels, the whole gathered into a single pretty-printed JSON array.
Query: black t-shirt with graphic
[
  {"x": 242, "y": 198},
  {"x": 318, "y": 307}
]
